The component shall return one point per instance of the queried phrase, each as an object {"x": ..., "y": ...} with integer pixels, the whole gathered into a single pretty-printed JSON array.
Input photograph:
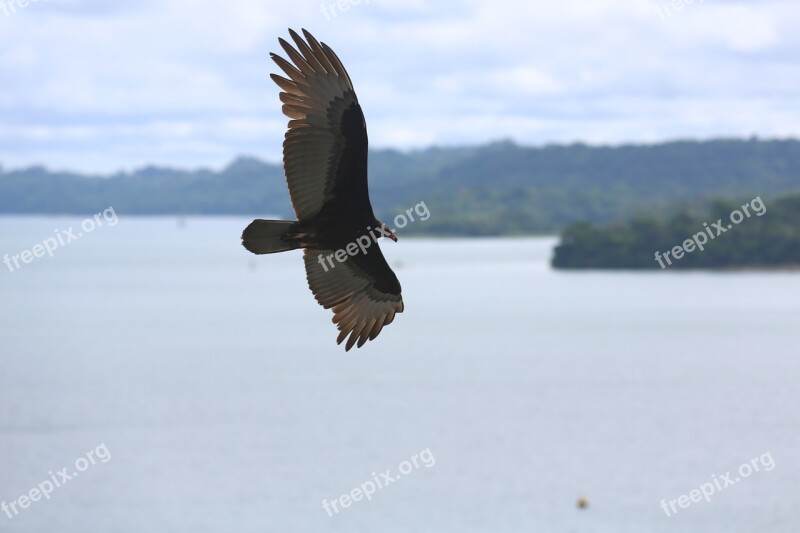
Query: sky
[{"x": 99, "y": 86}]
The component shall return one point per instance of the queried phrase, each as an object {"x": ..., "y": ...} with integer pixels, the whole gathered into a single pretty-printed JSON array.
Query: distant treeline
[
  {"x": 496, "y": 189},
  {"x": 751, "y": 234}
]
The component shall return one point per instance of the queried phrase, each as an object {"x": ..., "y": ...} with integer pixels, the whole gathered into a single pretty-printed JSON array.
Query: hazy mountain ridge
[{"x": 500, "y": 188}]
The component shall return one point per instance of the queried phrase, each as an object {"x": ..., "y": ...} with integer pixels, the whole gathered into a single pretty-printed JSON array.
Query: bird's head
[{"x": 386, "y": 231}]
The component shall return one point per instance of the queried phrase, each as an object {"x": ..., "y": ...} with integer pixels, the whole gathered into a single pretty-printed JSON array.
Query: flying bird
[{"x": 325, "y": 162}]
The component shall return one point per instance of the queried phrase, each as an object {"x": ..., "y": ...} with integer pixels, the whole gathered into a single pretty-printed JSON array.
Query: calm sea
[{"x": 207, "y": 385}]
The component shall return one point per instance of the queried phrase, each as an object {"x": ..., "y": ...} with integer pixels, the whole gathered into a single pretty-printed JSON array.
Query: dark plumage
[{"x": 325, "y": 161}]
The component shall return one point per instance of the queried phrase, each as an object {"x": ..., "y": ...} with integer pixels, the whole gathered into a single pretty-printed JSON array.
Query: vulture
[{"x": 325, "y": 163}]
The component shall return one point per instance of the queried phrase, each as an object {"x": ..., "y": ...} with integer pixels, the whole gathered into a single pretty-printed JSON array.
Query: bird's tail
[{"x": 270, "y": 236}]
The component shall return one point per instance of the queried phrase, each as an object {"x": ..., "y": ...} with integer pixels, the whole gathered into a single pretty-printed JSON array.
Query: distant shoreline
[{"x": 495, "y": 189}]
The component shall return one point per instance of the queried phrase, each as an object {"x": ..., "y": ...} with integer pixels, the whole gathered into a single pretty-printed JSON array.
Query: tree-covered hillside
[
  {"x": 729, "y": 235},
  {"x": 496, "y": 189}
]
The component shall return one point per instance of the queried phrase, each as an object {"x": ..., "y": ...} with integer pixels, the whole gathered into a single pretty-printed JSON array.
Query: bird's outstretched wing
[
  {"x": 325, "y": 149},
  {"x": 363, "y": 292}
]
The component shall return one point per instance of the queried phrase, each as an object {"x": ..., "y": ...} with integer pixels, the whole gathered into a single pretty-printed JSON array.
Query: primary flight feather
[{"x": 325, "y": 162}]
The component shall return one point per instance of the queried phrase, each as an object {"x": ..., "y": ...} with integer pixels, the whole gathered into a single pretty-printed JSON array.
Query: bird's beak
[{"x": 386, "y": 231}]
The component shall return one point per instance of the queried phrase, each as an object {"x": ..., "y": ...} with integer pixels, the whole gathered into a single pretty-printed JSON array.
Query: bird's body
[{"x": 325, "y": 160}]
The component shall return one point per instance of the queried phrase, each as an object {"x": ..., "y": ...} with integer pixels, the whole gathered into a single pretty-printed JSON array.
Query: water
[{"x": 214, "y": 381}]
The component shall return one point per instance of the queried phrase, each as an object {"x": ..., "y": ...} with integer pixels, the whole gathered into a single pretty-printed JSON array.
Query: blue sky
[{"x": 96, "y": 86}]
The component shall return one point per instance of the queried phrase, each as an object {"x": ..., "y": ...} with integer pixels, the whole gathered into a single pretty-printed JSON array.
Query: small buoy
[{"x": 583, "y": 503}]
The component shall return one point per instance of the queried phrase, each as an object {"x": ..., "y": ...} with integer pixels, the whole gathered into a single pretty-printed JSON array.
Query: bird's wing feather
[
  {"x": 325, "y": 148},
  {"x": 362, "y": 291}
]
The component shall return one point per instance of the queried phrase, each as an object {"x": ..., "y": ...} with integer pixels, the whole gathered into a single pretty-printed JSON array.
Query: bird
[{"x": 325, "y": 163}]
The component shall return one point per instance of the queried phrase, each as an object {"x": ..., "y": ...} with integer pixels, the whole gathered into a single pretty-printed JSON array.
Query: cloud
[{"x": 102, "y": 86}]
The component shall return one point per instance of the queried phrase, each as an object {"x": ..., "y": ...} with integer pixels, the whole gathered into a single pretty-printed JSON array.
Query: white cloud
[
  {"x": 526, "y": 81},
  {"x": 102, "y": 86}
]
